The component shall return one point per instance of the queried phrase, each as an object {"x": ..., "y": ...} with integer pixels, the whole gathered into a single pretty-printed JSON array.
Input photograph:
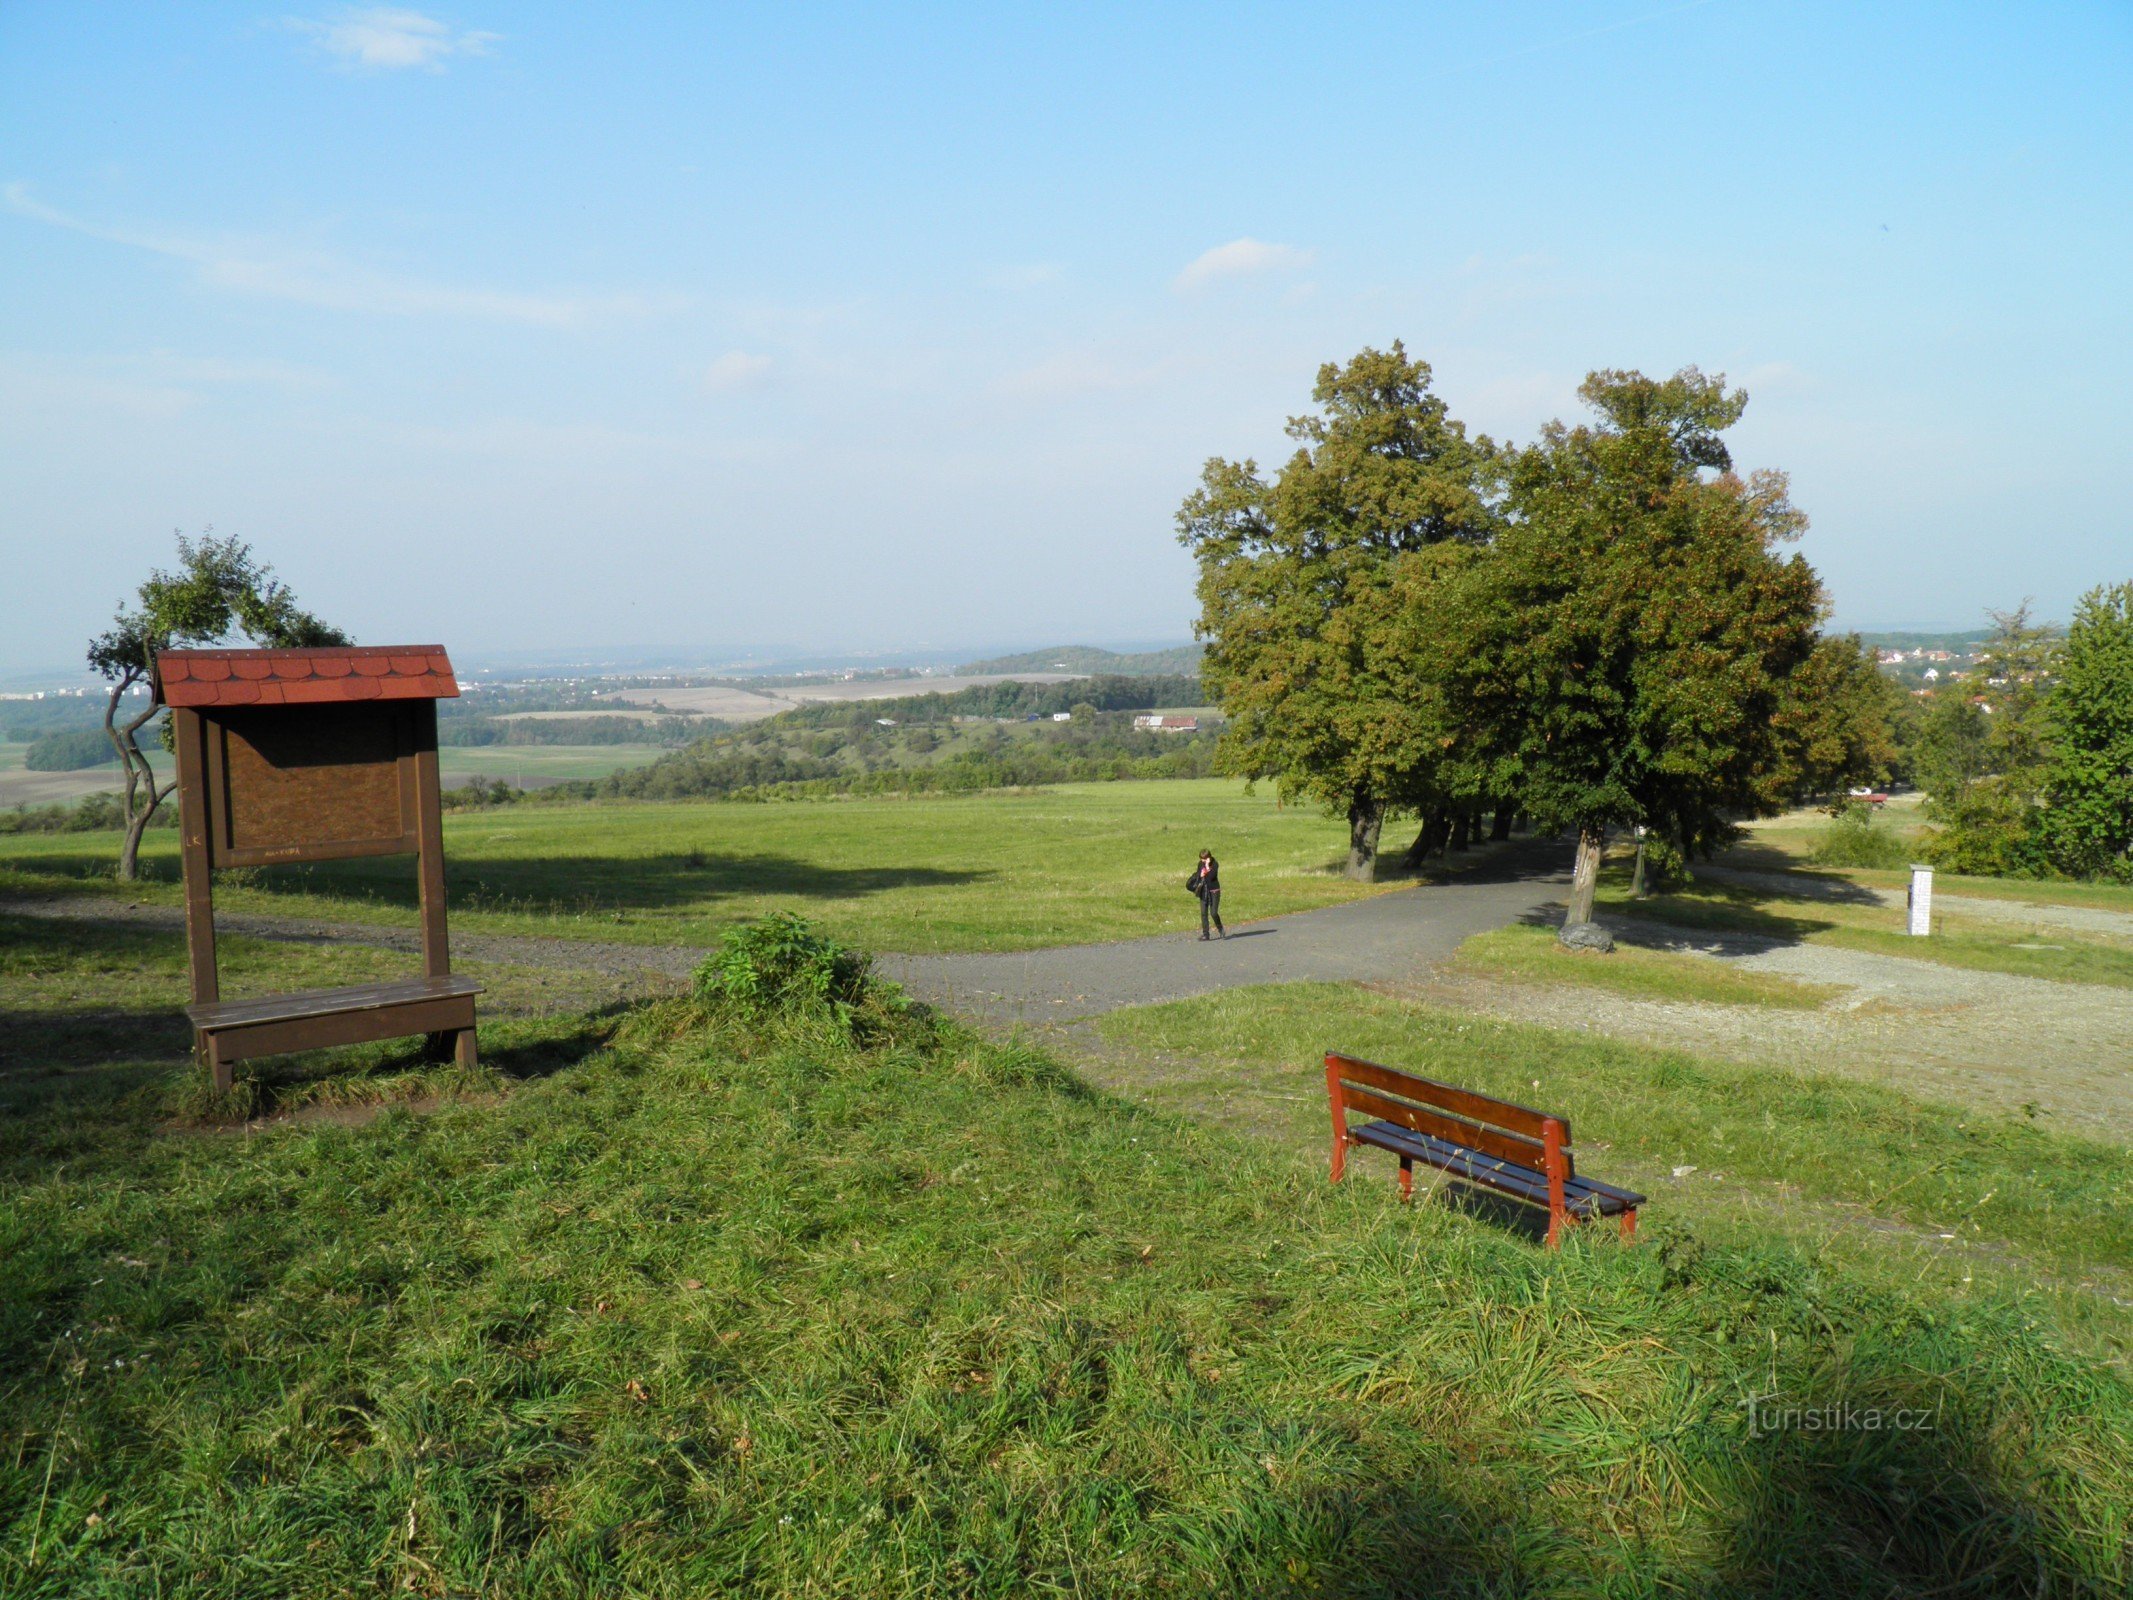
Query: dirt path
[
  {"x": 1989, "y": 1039},
  {"x": 569, "y": 955}
]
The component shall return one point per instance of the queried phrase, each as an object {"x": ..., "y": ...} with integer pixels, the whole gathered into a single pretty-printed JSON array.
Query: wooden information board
[{"x": 312, "y": 755}]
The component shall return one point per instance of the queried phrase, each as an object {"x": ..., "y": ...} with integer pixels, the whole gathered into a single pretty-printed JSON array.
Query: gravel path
[
  {"x": 570, "y": 955},
  {"x": 1989, "y": 1039},
  {"x": 1388, "y": 936}
]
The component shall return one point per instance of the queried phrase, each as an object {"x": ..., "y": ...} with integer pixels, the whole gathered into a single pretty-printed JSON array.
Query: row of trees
[
  {"x": 1599, "y": 630},
  {"x": 2028, "y": 764}
]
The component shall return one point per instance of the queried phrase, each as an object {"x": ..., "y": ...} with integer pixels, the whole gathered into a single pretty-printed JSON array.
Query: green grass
[
  {"x": 1755, "y": 1135},
  {"x": 1785, "y": 843},
  {"x": 538, "y": 763},
  {"x": 693, "y": 1311},
  {"x": 1974, "y": 943},
  {"x": 995, "y": 871},
  {"x": 1533, "y": 955}
]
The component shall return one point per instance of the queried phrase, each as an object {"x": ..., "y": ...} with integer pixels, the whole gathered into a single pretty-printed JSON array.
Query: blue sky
[{"x": 723, "y": 329}]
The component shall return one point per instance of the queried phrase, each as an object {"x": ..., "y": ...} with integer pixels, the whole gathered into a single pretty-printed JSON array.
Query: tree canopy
[
  {"x": 1303, "y": 580},
  {"x": 2088, "y": 817},
  {"x": 219, "y": 589},
  {"x": 1626, "y": 651}
]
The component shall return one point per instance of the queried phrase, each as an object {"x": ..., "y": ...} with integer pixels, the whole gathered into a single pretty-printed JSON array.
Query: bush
[
  {"x": 1852, "y": 840},
  {"x": 70, "y": 752},
  {"x": 782, "y": 965}
]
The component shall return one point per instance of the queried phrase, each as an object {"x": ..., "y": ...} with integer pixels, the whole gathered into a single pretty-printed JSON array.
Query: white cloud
[
  {"x": 313, "y": 278},
  {"x": 736, "y": 369},
  {"x": 389, "y": 39},
  {"x": 1241, "y": 258}
]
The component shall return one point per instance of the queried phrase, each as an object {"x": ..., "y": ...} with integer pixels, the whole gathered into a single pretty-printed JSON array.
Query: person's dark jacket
[{"x": 1206, "y": 881}]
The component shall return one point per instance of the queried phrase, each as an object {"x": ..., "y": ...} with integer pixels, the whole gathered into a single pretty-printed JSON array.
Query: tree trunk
[
  {"x": 1416, "y": 851},
  {"x": 1463, "y": 831},
  {"x": 1429, "y": 839},
  {"x": 1500, "y": 829},
  {"x": 1366, "y": 816},
  {"x": 1585, "y": 877},
  {"x": 1636, "y": 877},
  {"x": 130, "y": 852}
]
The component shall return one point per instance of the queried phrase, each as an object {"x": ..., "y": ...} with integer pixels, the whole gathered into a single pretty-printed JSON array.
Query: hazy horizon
[{"x": 877, "y": 332}]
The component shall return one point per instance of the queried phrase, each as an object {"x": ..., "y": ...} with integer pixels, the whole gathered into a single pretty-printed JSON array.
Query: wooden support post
[
  {"x": 1629, "y": 1224},
  {"x": 429, "y": 835},
  {"x": 1407, "y": 1178},
  {"x": 1340, "y": 1117},
  {"x": 1557, "y": 1170},
  {"x": 196, "y": 854}
]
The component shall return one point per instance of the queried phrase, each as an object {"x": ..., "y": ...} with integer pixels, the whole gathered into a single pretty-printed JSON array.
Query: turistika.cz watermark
[{"x": 1768, "y": 1414}]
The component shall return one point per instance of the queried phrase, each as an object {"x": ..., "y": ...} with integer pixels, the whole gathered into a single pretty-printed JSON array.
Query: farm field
[
  {"x": 733, "y": 703},
  {"x": 664, "y": 1303},
  {"x": 530, "y": 766},
  {"x": 991, "y": 871}
]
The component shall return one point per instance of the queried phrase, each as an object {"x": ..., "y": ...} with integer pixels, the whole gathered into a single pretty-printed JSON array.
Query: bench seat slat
[
  {"x": 307, "y": 1003},
  {"x": 1585, "y": 1195}
]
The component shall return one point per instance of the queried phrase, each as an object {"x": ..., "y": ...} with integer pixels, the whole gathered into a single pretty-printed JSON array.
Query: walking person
[{"x": 1206, "y": 882}]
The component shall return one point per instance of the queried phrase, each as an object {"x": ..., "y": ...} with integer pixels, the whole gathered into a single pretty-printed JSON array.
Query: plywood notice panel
[{"x": 331, "y": 782}]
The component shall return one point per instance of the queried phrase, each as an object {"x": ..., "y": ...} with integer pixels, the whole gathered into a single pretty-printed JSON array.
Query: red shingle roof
[{"x": 304, "y": 677}]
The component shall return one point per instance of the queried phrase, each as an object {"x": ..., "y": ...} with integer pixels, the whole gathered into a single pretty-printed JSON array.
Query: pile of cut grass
[
  {"x": 716, "y": 1311},
  {"x": 1535, "y": 955}
]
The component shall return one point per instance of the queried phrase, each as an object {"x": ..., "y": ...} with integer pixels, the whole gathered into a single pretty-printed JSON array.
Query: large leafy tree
[
  {"x": 1304, "y": 580},
  {"x": 218, "y": 589},
  {"x": 1988, "y": 749},
  {"x": 1626, "y": 651},
  {"x": 2088, "y": 816}
]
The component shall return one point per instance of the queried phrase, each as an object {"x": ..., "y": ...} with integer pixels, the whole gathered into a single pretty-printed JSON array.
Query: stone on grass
[{"x": 1586, "y": 936}]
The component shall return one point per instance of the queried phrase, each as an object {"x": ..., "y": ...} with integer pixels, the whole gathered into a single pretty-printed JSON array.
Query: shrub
[
  {"x": 70, "y": 752},
  {"x": 783, "y": 965},
  {"x": 1853, "y": 840}
]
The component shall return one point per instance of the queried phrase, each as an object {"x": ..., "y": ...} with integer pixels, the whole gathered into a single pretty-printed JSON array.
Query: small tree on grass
[
  {"x": 218, "y": 589},
  {"x": 2088, "y": 817},
  {"x": 1625, "y": 648}
]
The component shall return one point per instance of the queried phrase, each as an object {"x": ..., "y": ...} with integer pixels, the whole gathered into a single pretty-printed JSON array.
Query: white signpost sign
[{"x": 1921, "y": 902}]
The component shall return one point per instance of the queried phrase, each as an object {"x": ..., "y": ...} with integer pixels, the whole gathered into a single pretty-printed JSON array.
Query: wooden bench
[
  {"x": 1491, "y": 1143},
  {"x": 227, "y": 1031}
]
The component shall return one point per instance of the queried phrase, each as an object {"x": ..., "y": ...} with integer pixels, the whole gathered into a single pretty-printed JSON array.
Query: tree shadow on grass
[
  {"x": 1712, "y": 917},
  {"x": 594, "y": 884},
  {"x": 1858, "y": 1507},
  {"x": 567, "y": 885}
]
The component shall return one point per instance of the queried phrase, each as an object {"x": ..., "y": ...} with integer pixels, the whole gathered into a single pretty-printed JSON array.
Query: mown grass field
[
  {"x": 1534, "y": 955},
  {"x": 1786, "y": 843},
  {"x": 1958, "y": 940},
  {"x": 671, "y": 1306},
  {"x": 994, "y": 871},
  {"x": 1759, "y": 1142}
]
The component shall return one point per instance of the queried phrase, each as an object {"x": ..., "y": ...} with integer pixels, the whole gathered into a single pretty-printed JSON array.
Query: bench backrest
[{"x": 1498, "y": 1128}]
